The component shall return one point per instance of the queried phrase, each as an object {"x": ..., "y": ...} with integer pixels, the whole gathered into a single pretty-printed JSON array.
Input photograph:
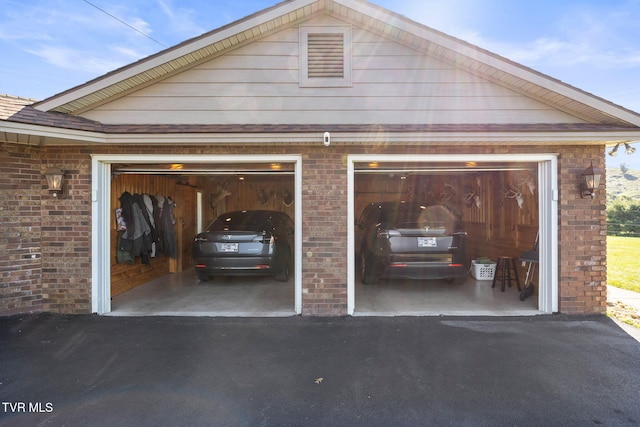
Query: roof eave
[{"x": 39, "y": 135}]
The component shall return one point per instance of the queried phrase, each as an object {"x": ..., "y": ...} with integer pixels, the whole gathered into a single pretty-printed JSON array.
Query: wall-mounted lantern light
[
  {"x": 590, "y": 181},
  {"x": 55, "y": 182}
]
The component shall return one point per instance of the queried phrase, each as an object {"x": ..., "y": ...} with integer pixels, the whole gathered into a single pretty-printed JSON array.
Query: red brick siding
[
  {"x": 60, "y": 281},
  {"x": 20, "y": 231},
  {"x": 66, "y": 234},
  {"x": 324, "y": 222},
  {"x": 582, "y": 235}
]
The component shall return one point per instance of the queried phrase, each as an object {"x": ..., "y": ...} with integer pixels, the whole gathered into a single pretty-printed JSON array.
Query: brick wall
[
  {"x": 582, "y": 235},
  {"x": 66, "y": 234},
  {"x": 324, "y": 222},
  {"x": 20, "y": 230},
  {"x": 45, "y": 263}
]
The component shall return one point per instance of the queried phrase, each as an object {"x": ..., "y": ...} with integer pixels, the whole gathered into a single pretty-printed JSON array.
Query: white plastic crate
[{"x": 483, "y": 271}]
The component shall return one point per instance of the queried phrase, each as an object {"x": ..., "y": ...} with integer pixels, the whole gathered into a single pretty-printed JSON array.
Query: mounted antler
[
  {"x": 221, "y": 195},
  {"x": 448, "y": 193},
  {"x": 527, "y": 179},
  {"x": 263, "y": 196},
  {"x": 512, "y": 192},
  {"x": 287, "y": 198},
  {"x": 470, "y": 196}
]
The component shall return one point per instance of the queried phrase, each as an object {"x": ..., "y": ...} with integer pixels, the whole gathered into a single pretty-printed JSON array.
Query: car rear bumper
[
  {"x": 425, "y": 270},
  {"x": 235, "y": 265}
]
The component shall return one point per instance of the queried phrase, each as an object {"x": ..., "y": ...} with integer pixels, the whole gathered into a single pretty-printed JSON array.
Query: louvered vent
[{"x": 325, "y": 55}]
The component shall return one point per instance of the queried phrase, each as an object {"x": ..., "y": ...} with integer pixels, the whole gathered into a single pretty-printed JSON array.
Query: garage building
[{"x": 316, "y": 109}]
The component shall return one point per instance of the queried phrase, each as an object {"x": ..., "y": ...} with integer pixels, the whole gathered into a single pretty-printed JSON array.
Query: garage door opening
[
  {"x": 187, "y": 194},
  {"x": 502, "y": 207}
]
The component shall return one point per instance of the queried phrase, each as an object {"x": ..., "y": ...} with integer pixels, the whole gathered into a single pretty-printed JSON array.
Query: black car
[
  {"x": 410, "y": 240},
  {"x": 246, "y": 242}
]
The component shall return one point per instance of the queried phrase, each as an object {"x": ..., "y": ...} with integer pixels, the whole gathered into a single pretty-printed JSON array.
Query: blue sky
[{"x": 49, "y": 46}]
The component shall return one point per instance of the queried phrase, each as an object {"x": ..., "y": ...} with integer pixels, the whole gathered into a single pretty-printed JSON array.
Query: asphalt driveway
[{"x": 356, "y": 371}]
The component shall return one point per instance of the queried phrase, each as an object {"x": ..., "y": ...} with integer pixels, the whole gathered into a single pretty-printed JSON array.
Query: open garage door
[
  {"x": 502, "y": 206},
  {"x": 197, "y": 189}
]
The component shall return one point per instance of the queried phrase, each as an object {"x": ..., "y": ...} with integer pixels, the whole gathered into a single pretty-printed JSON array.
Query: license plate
[
  {"x": 427, "y": 242},
  {"x": 228, "y": 247}
]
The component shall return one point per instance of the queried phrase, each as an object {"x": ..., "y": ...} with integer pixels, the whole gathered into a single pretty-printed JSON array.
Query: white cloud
[
  {"x": 181, "y": 21},
  {"x": 77, "y": 60}
]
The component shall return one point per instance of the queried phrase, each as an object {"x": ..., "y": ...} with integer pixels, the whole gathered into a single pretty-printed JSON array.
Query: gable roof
[{"x": 396, "y": 27}]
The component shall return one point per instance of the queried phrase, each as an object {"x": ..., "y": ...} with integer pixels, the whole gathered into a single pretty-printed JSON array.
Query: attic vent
[{"x": 325, "y": 55}]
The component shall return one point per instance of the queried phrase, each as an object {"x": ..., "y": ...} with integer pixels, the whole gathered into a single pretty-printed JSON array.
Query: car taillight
[
  {"x": 200, "y": 239},
  {"x": 264, "y": 239}
]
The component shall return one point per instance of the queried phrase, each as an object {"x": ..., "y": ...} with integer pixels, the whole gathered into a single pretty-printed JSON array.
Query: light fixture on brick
[
  {"x": 590, "y": 181},
  {"x": 55, "y": 182}
]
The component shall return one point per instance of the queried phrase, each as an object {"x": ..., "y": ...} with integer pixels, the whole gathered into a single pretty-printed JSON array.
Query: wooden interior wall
[
  {"x": 220, "y": 194},
  {"x": 228, "y": 193},
  {"x": 486, "y": 202},
  {"x": 427, "y": 189},
  {"x": 125, "y": 277},
  {"x": 498, "y": 225}
]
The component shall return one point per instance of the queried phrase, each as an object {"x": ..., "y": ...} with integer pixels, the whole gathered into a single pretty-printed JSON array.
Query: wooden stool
[{"x": 505, "y": 268}]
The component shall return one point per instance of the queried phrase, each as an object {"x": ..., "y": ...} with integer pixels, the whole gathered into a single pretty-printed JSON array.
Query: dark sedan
[
  {"x": 246, "y": 242},
  {"x": 409, "y": 240}
]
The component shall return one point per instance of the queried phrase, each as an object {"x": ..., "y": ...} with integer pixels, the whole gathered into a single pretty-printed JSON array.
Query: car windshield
[
  {"x": 242, "y": 221},
  {"x": 416, "y": 216}
]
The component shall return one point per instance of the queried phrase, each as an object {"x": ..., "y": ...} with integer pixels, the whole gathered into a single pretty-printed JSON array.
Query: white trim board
[
  {"x": 548, "y": 215},
  {"x": 101, "y": 214}
]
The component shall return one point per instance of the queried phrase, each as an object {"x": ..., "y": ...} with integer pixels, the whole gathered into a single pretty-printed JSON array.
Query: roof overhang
[{"x": 38, "y": 135}]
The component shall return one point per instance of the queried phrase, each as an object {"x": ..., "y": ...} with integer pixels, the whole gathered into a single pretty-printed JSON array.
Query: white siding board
[
  {"x": 240, "y": 76},
  {"x": 329, "y": 117},
  {"x": 291, "y": 89},
  {"x": 248, "y": 62},
  {"x": 258, "y": 83},
  {"x": 284, "y": 48},
  {"x": 382, "y": 48},
  {"x": 248, "y": 101}
]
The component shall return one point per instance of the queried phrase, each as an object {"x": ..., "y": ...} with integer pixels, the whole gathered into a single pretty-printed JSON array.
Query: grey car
[
  {"x": 244, "y": 243},
  {"x": 411, "y": 240}
]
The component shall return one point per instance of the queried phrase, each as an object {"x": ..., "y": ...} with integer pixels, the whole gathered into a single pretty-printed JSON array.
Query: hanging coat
[{"x": 167, "y": 221}]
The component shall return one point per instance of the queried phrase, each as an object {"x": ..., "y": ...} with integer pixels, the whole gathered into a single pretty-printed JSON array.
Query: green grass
[{"x": 622, "y": 262}]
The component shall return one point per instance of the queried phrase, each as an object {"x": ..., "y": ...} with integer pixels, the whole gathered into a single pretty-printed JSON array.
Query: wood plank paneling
[
  {"x": 125, "y": 277},
  {"x": 496, "y": 225},
  {"x": 253, "y": 192}
]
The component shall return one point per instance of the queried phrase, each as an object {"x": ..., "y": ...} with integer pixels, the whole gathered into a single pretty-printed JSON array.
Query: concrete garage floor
[
  {"x": 433, "y": 298},
  {"x": 181, "y": 294}
]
